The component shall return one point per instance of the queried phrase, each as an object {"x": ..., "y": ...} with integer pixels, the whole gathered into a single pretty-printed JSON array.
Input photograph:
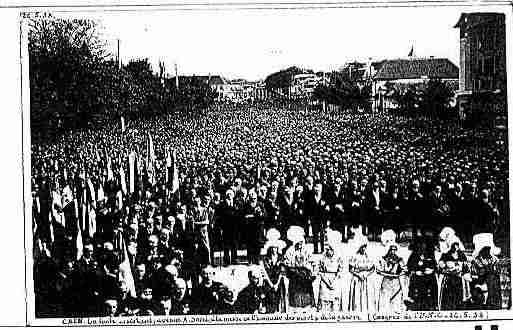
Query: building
[
  {"x": 402, "y": 73},
  {"x": 482, "y": 76},
  {"x": 304, "y": 84}
]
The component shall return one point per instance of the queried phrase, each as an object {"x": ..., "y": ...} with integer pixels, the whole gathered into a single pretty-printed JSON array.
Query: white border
[{"x": 499, "y": 6}]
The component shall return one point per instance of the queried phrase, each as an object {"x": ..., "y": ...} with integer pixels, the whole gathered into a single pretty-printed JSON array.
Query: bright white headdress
[
  {"x": 295, "y": 234},
  {"x": 273, "y": 237},
  {"x": 484, "y": 240}
]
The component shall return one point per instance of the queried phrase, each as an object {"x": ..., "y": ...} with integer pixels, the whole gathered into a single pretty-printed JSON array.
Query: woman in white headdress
[
  {"x": 455, "y": 276},
  {"x": 361, "y": 292},
  {"x": 391, "y": 267},
  {"x": 274, "y": 269},
  {"x": 330, "y": 271},
  {"x": 299, "y": 269},
  {"x": 485, "y": 269}
]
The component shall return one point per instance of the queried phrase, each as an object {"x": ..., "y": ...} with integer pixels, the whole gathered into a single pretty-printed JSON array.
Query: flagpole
[{"x": 176, "y": 77}]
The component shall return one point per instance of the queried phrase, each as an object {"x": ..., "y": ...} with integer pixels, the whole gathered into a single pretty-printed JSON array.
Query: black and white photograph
[{"x": 266, "y": 163}]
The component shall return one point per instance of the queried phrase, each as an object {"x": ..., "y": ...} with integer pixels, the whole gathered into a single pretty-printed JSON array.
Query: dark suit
[
  {"x": 416, "y": 210},
  {"x": 374, "y": 202},
  {"x": 484, "y": 218},
  {"x": 439, "y": 211},
  {"x": 203, "y": 253},
  {"x": 254, "y": 216},
  {"x": 338, "y": 210},
  {"x": 459, "y": 210},
  {"x": 205, "y": 300},
  {"x": 315, "y": 211},
  {"x": 354, "y": 207},
  {"x": 289, "y": 212},
  {"x": 228, "y": 220}
]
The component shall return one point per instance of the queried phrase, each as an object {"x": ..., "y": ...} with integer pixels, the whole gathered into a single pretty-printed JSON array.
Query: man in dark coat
[
  {"x": 254, "y": 217},
  {"x": 206, "y": 296},
  {"x": 203, "y": 253},
  {"x": 374, "y": 202},
  {"x": 484, "y": 215},
  {"x": 227, "y": 215},
  {"x": 316, "y": 211},
  {"x": 338, "y": 204},
  {"x": 181, "y": 301},
  {"x": 439, "y": 209}
]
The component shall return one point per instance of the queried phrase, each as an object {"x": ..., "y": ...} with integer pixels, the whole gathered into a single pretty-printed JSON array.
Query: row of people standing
[
  {"x": 390, "y": 284},
  {"x": 244, "y": 215}
]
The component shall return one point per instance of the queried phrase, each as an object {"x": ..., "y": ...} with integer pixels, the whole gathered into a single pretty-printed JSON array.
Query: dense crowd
[{"x": 128, "y": 221}]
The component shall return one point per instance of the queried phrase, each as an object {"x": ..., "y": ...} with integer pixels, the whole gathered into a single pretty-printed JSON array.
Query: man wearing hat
[
  {"x": 316, "y": 211},
  {"x": 254, "y": 216},
  {"x": 338, "y": 204},
  {"x": 203, "y": 253},
  {"x": 484, "y": 214},
  {"x": 228, "y": 219}
]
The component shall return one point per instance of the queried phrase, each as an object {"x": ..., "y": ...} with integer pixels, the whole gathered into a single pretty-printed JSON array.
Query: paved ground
[{"x": 236, "y": 275}]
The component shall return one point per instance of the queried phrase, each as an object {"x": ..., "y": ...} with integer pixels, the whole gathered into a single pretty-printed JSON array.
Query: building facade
[
  {"x": 410, "y": 71},
  {"x": 482, "y": 76}
]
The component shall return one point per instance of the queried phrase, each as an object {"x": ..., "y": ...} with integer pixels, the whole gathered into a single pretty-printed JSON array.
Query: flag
[
  {"x": 410, "y": 54},
  {"x": 56, "y": 210},
  {"x": 169, "y": 167},
  {"x": 174, "y": 175},
  {"x": 67, "y": 196},
  {"x": 123, "y": 180},
  {"x": 176, "y": 77},
  {"x": 132, "y": 163},
  {"x": 123, "y": 127},
  {"x": 98, "y": 158},
  {"x": 125, "y": 271},
  {"x": 119, "y": 200},
  {"x": 83, "y": 208},
  {"x": 91, "y": 230},
  {"x": 79, "y": 244},
  {"x": 150, "y": 160},
  {"x": 92, "y": 191},
  {"x": 101, "y": 193},
  {"x": 52, "y": 234},
  {"x": 110, "y": 173}
]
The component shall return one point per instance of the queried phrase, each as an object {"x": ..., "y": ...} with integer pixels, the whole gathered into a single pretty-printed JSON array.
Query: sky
[{"x": 251, "y": 44}]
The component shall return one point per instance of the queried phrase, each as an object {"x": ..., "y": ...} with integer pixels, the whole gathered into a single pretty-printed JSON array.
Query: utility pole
[
  {"x": 176, "y": 76},
  {"x": 119, "y": 57}
]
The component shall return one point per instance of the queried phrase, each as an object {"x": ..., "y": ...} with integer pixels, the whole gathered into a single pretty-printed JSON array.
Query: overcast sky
[{"x": 253, "y": 43}]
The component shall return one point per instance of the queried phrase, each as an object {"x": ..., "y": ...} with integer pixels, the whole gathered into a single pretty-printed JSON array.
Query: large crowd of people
[{"x": 128, "y": 220}]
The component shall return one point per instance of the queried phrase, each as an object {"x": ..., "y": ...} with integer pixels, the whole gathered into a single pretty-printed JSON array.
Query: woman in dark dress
[
  {"x": 423, "y": 289},
  {"x": 455, "y": 288},
  {"x": 485, "y": 270}
]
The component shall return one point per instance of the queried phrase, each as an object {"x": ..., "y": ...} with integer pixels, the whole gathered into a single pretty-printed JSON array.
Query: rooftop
[{"x": 416, "y": 68}]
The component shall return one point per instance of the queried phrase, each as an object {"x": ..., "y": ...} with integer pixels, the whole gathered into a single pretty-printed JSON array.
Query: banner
[{"x": 131, "y": 172}]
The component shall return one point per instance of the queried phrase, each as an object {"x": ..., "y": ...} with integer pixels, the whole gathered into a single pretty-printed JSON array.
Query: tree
[
  {"x": 282, "y": 80},
  {"x": 407, "y": 99},
  {"x": 435, "y": 99},
  {"x": 67, "y": 70},
  {"x": 74, "y": 82},
  {"x": 344, "y": 92}
]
